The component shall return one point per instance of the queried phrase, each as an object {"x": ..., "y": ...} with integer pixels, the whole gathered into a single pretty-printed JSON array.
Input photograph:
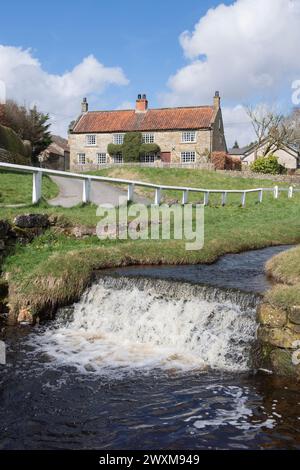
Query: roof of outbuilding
[{"x": 200, "y": 117}]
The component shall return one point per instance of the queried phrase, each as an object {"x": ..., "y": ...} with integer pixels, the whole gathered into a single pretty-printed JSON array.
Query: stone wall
[
  {"x": 261, "y": 176},
  {"x": 279, "y": 339}
]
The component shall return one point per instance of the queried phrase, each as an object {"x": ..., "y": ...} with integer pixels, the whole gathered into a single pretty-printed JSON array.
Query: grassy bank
[
  {"x": 191, "y": 178},
  {"x": 55, "y": 268},
  {"x": 16, "y": 188},
  {"x": 284, "y": 269}
]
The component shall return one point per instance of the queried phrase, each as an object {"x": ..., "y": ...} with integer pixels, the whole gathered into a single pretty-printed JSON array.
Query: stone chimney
[
  {"x": 217, "y": 100},
  {"x": 84, "y": 106},
  {"x": 141, "y": 104}
]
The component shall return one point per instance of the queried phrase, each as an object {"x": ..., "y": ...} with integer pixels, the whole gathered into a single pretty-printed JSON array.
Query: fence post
[
  {"x": 36, "y": 187},
  {"x": 157, "y": 196},
  {"x": 260, "y": 195},
  {"x": 130, "y": 192},
  {"x": 206, "y": 198},
  {"x": 224, "y": 198},
  {"x": 276, "y": 192},
  {"x": 244, "y": 199},
  {"x": 291, "y": 192},
  {"x": 86, "y": 190},
  {"x": 185, "y": 197}
]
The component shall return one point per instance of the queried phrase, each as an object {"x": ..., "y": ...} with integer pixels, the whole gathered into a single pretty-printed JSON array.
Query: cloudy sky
[{"x": 177, "y": 52}]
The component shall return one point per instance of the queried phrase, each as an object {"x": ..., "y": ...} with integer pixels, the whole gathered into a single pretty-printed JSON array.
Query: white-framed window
[
  {"x": 101, "y": 158},
  {"x": 118, "y": 139},
  {"x": 188, "y": 157},
  {"x": 90, "y": 139},
  {"x": 188, "y": 136},
  {"x": 118, "y": 158},
  {"x": 148, "y": 158},
  {"x": 81, "y": 158},
  {"x": 148, "y": 138}
]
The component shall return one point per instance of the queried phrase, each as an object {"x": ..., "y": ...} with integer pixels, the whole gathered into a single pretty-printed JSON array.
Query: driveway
[{"x": 70, "y": 193}]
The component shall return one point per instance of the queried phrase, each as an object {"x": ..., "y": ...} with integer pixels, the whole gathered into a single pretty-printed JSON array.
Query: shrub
[
  {"x": 131, "y": 146},
  {"x": 233, "y": 163},
  {"x": 219, "y": 160},
  {"x": 267, "y": 165},
  {"x": 114, "y": 149},
  {"x": 11, "y": 142}
]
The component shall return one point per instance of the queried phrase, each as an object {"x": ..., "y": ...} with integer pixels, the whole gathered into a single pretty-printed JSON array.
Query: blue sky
[
  {"x": 139, "y": 36},
  {"x": 139, "y": 46}
]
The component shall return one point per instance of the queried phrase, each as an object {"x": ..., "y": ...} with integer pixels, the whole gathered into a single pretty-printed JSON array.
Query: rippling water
[{"x": 147, "y": 364}]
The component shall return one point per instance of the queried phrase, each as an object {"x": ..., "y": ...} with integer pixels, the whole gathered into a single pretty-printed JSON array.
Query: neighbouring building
[
  {"x": 288, "y": 155},
  {"x": 57, "y": 155},
  {"x": 185, "y": 135}
]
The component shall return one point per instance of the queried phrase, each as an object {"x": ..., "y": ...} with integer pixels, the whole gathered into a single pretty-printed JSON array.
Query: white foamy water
[{"x": 120, "y": 327}]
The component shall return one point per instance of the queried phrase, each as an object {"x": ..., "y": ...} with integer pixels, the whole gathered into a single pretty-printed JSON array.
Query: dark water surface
[{"x": 45, "y": 404}]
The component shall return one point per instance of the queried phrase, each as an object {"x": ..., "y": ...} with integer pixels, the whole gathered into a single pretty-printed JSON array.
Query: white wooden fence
[{"x": 87, "y": 180}]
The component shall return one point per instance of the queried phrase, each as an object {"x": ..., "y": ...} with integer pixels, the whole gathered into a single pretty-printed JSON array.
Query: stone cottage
[{"x": 185, "y": 135}]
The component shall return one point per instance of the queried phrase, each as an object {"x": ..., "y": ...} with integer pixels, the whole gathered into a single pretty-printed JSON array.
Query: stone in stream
[
  {"x": 269, "y": 316},
  {"x": 294, "y": 315}
]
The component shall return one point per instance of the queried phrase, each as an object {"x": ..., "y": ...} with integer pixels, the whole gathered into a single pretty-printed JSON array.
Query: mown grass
[
  {"x": 16, "y": 188},
  {"x": 191, "y": 178}
]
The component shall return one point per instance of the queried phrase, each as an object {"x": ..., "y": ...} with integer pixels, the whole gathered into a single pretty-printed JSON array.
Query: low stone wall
[
  {"x": 279, "y": 339},
  {"x": 291, "y": 179},
  {"x": 158, "y": 164}
]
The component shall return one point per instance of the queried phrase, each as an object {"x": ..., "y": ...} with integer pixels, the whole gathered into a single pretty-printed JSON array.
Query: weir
[{"x": 123, "y": 325}]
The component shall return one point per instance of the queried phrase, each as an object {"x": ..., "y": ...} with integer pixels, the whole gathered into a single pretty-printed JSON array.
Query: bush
[
  {"x": 11, "y": 142},
  {"x": 219, "y": 160},
  {"x": 132, "y": 147},
  {"x": 267, "y": 165}
]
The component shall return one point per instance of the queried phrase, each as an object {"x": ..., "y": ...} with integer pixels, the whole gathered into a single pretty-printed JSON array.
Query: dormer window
[
  {"x": 188, "y": 136},
  {"x": 118, "y": 139},
  {"x": 90, "y": 139}
]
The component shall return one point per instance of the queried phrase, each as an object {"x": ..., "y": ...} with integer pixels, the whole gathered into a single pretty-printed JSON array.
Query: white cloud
[
  {"x": 58, "y": 95},
  {"x": 247, "y": 50},
  {"x": 126, "y": 105}
]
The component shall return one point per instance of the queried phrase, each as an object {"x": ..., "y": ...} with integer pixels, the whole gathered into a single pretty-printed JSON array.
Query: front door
[{"x": 165, "y": 157}]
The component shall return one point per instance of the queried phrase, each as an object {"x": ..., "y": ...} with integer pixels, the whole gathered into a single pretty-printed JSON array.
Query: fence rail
[{"x": 87, "y": 180}]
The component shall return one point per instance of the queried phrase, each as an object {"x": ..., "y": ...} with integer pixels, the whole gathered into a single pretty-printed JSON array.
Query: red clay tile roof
[{"x": 153, "y": 119}]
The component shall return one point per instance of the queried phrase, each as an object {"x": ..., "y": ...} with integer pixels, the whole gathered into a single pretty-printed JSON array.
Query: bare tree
[
  {"x": 270, "y": 128},
  {"x": 294, "y": 122}
]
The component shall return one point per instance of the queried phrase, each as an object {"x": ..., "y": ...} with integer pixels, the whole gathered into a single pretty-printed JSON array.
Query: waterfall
[{"x": 124, "y": 325}]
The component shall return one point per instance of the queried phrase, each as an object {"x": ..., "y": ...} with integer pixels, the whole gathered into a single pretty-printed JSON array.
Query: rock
[
  {"x": 25, "y": 316},
  {"x": 59, "y": 220},
  {"x": 274, "y": 317},
  {"x": 31, "y": 220},
  {"x": 80, "y": 231},
  {"x": 4, "y": 228},
  {"x": 295, "y": 328},
  {"x": 282, "y": 363},
  {"x": 280, "y": 337},
  {"x": 2, "y": 245},
  {"x": 294, "y": 315}
]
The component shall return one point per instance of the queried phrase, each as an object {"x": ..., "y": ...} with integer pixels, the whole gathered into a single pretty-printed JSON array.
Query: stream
[{"x": 150, "y": 358}]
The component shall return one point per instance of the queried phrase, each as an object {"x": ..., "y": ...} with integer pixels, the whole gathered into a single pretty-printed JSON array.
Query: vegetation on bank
[
  {"x": 16, "y": 188},
  {"x": 55, "y": 268},
  {"x": 284, "y": 269}
]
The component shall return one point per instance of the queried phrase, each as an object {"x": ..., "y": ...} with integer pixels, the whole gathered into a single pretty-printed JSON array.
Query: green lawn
[
  {"x": 16, "y": 188},
  {"x": 55, "y": 268}
]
